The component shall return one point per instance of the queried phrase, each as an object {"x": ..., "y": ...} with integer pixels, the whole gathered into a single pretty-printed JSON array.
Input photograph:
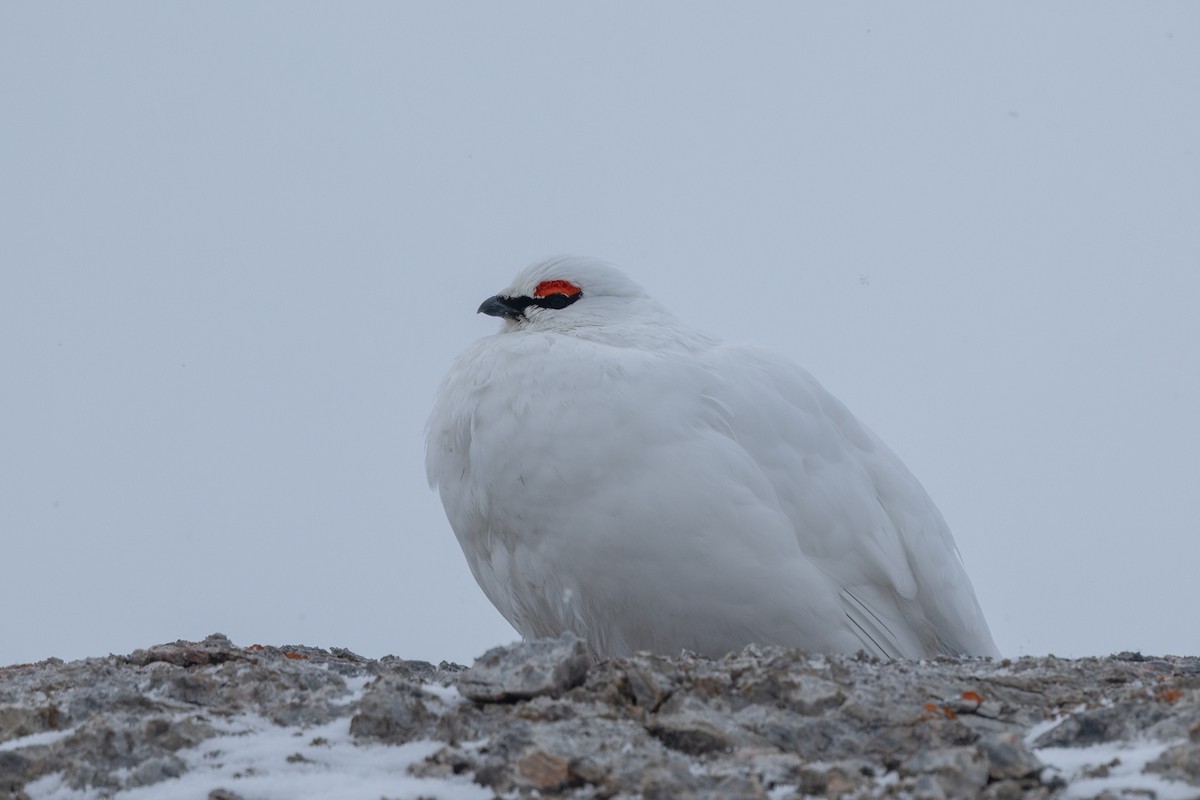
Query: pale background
[{"x": 241, "y": 242}]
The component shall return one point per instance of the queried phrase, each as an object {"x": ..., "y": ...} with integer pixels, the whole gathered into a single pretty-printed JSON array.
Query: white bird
[{"x": 609, "y": 470}]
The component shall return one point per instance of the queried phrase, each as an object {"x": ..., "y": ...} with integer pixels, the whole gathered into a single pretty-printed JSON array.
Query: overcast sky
[{"x": 240, "y": 243}]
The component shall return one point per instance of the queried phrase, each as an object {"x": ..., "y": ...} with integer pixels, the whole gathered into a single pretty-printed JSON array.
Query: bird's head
[{"x": 546, "y": 294}]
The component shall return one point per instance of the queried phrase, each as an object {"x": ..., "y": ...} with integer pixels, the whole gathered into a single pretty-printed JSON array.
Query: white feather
[{"x": 611, "y": 471}]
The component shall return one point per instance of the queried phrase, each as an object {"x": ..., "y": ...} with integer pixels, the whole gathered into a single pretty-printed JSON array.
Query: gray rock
[
  {"x": 223, "y": 794},
  {"x": 522, "y": 671},
  {"x": 692, "y": 726},
  {"x": 1094, "y": 726},
  {"x": 155, "y": 770},
  {"x": 15, "y": 769},
  {"x": 18, "y": 721},
  {"x": 394, "y": 710},
  {"x": 957, "y": 771},
  {"x": 1180, "y": 763},
  {"x": 215, "y": 649},
  {"x": 539, "y": 718},
  {"x": 645, "y": 682},
  {"x": 1010, "y": 758}
]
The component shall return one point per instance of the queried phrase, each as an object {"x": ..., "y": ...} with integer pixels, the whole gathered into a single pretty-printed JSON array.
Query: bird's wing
[{"x": 856, "y": 509}]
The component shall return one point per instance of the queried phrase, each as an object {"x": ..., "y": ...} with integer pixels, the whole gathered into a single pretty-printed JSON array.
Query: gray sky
[{"x": 241, "y": 243}]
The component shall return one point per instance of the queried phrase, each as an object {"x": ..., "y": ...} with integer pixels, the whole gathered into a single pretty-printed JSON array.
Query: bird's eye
[
  {"x": 547, "y": 288},
  {"x": 557, "y": 300}
]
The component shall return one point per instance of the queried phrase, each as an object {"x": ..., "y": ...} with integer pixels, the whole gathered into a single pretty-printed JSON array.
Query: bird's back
[{"x": 856, "y": 510}]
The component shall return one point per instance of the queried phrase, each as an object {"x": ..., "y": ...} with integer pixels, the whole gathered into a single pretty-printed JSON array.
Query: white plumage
[{"x": 611, "y": 471}]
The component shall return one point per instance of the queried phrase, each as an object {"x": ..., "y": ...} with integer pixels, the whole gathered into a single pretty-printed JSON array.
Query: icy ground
[
  {"x": 214, "y": 720},
  {"x": 255, "y": 758}
]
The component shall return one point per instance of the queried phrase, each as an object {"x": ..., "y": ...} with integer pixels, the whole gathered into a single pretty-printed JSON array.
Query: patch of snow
[
  {"x": 357, "y": 684},
  {"x": 890, "y": 778},
  {"x": 447, "y": 694},
  {"x": 1045, "y": 726},
  {"x": 1073, "y": 762},
  {"x": 258, "y": 759},
  {"x": 45, "y": 737}
]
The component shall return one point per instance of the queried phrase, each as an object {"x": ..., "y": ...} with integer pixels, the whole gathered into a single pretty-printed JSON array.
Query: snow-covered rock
[{"x": 212, "y": 719}]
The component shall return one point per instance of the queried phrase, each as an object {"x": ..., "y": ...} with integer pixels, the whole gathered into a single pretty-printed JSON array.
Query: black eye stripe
[
  {"x": 514, "y": 307},
  {"x": 556, "y": 300},
  {"x": 518, "y": 304}
]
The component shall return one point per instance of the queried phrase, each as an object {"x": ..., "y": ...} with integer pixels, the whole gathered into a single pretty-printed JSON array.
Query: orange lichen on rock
[
  {"x": 1164, "y": 695},
  {"x": 931, "y": 711}
]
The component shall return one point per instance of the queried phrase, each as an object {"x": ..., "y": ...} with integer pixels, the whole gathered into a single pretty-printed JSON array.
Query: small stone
[
  {"x": 215, "y": 649},
  {"x": 1009, "y": 757},
  {"x": 394, "y": 711},
  {"x": 960, "y": 771},
  {"x": 526, "y": 670},
  {"x": 223, "y": 794},
  {"x": 1004, "y": 790},
  {"x": 811, "y": 695},
  {"x": 690, "y": 726},
  {"x": 588, "y": 770},
  {"x": 189, "y": 687},
  {"x": 927, "y": 787},
  {"x": 838, "y": 779},
  {"x": 1100, "y": 770},
  {"x": 647, "y": 687},
  {"x": 772, "y": 767},
  {"x": 807, "y": 695},
  {"x": 1181, "y": 763},
  {"x": 543, "y": 771},
  {"x": 445, "y": 762},
  {"x": 18, "y": 721},
  {"x": 156, "y": 770},
  {"x": 15, "y": 769},
  {"x": 744, "y": 787}
]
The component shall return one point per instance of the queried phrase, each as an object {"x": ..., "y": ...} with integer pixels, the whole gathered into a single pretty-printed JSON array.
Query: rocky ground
[{"x": 218, "y": 720}]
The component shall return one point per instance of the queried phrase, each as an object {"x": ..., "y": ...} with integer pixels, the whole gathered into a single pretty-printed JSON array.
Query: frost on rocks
[
  {"x": 523, "y": 671},
  {"x": 212, "y": 719}
]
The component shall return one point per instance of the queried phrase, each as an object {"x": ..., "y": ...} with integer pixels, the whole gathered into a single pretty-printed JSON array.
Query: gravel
[{"x": 542, "y": 718}]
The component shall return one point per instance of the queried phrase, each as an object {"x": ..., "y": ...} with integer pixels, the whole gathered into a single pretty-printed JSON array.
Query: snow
[
  {"x": 1072, "y": 764},
  {"x": 256, "y": 758},
  {"x": 1124, "y": 773},
  {"x": 356, "y": 684},
  {"x": 1043, "y": 727},
  {"x": 447, "y": 694},
  {"x": 45, "y": 737}
]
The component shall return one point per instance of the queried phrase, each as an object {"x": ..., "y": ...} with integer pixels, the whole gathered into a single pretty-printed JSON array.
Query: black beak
[{"x": 507, "y": 307}]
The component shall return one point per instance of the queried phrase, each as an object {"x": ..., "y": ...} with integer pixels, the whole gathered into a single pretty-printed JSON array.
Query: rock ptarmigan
[{"x": 611, "y": 471}]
